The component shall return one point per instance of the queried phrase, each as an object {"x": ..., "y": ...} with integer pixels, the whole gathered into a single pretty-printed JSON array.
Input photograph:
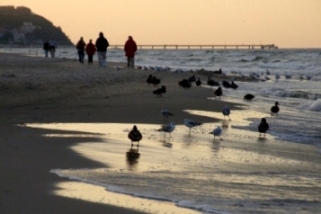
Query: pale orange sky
[{"x": 285, "y": 23}]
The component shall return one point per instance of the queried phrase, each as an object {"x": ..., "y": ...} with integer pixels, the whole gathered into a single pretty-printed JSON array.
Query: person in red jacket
[
  {"x": 130, "y": 49},
  {"x": 90, "y": 50}
]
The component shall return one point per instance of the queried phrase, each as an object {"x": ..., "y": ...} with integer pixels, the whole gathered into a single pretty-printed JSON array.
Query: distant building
[{"x": 27, "y": 27}]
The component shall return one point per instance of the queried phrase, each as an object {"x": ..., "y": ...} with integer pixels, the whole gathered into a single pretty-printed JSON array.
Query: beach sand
[{"x": 52, "y": 108}]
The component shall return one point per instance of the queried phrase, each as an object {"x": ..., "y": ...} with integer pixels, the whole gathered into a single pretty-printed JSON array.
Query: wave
[{"x": 312, "y": 105}]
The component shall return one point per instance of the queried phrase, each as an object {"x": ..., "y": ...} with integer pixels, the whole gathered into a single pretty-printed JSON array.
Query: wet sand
[
  {"x": 45, "y": 90},
  {"x": 60, "y": 114}
]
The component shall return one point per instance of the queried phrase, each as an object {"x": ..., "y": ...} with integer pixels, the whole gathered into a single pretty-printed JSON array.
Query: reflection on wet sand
[
  {"x": 225, "y": 124},
  {"x": 132, "y": 157}
]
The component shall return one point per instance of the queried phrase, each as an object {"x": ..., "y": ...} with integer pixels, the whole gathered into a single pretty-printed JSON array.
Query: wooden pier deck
[{"x": 199, "y": 47}]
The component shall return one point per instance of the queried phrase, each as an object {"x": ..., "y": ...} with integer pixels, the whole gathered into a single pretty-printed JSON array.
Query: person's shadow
[{"x": 132, "y": 157}]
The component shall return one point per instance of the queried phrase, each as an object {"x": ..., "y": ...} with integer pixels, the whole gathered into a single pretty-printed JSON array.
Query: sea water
[{"x": 211, "y": 184}]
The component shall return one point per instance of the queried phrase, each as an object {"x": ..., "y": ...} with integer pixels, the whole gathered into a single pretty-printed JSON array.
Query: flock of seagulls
[{"x": 135, "y": 136}]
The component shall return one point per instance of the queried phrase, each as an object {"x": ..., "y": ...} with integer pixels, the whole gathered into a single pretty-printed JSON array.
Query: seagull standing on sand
[
  {"x": 191, "y": 124},
  {"x": 198, "y": 82},
  {"x": 166, "y": 113},
  {"x": 135, "y": 136},
  {"x": 168, "y": 129},
  {"x": 263, "y": 127},
  {"x": 218, "y": 92},
  {"x": 226, "y": 112},
  {"x": 275, "y": 109},
  {"x": 160, "y": 91},
  {"x": 248, "y": 97},
  {"x": 217, "y": 132}
]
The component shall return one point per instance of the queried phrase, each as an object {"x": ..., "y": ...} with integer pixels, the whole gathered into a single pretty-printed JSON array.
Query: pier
[{"x": 199, "y": 47}]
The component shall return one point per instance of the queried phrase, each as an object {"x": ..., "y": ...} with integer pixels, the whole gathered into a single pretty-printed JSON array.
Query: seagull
[
  {"x": 217, "y": 132},
  {"x": 212, "y": 82},
  {"x": 277, "y": 76},
  {"x": 168, "y": 128},
  {"x": 149, "y": 79},
  {"x": 234, "y": 86},
  {"x": 155, "y": 81},
  {"x": 263, "y": 127},
  {"x": 218, "y": 92},
  {"x": 166, "y": 114},
  {"x": 191, "y": 124},
  {"x": 198, "y": 82},
  {"x": 192, "y": 78},
  {"x": 160, "y": 91},
  {"x": 226, "y": 84},
  {"x": 135, "y": 136},
  {"x": 249, "y": 97},
  {"x": 226, "y": 112},
  {"x": 185, "y": 83},
  {"x": 275, "y": 109}
]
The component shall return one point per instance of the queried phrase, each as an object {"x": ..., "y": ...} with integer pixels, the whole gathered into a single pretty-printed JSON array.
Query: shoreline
[
  {"x": 61, "y": 91},
  {"x": 46, "y": 90}
]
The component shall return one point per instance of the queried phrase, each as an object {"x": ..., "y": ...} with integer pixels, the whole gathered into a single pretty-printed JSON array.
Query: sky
[{"x": 285, "y": 23}]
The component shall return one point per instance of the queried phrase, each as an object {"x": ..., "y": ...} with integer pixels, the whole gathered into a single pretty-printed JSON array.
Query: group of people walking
[
  {"x": 50, "y": 47},
  {"x": 100, "y": 47}
]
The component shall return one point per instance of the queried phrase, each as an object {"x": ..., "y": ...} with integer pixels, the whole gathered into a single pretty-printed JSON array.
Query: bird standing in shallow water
[
  {"x": 191, "y": 124},
  {"x": 169, "y": 128},
  {"x": 226, "y": 112},
  {"x": 135, "y": 136},
  {"x": 263, "y": 127},
  {"x": 217, "y": 132},
  {"x": 275, "y": 109}
]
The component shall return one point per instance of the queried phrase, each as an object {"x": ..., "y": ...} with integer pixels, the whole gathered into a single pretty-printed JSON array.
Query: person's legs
[
  {"x": 128, "y": 62},
  {"x": 46, "y": 53},
  {"x": 104, "y": 62},
  {"x": 90, "y": 58},
  {"x": 100, "y": 58},
  {"x": 132, "y": 62}
]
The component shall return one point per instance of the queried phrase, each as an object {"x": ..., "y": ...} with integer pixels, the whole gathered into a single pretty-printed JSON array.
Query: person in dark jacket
[
  {"x": 90, "y": 50},
  {"x": 81, "y": 50},
  {"x": 130, "y": 50},
  {"x": 46, "y": 48},
  {"x": 101, "y": 46}
]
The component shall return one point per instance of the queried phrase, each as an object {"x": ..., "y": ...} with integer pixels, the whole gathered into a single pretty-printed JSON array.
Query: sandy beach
[{"x": 46, "y": 102}]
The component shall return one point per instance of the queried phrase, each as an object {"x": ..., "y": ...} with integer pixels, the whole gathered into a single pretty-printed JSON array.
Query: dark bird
[
  {"x": 249, "y": 97},
  {"x": 149, "y": 79},
  {"x": 275, "y": 109},
  {"x": 218, "y": 92},
  {"x": 226, "y": 112},
  {"x": 192, "y": 78},
  {"x": 198, "y": 82},
  {"x": 185, "y": 83},
  {"x": 155, "y": 81},
  {"x": 160, "y": 91},
  {"x": 234, "y": 86},
  {"x": 226, "y": 84},
  {"x": 134, "y": 135},
  {"x": 191, "y": 124},
  {"x": 212, "y": 82},
  {"x": 263, "y": 127}
]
